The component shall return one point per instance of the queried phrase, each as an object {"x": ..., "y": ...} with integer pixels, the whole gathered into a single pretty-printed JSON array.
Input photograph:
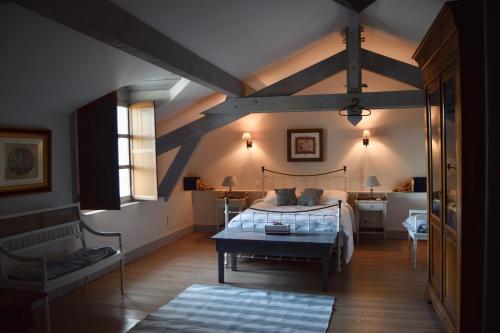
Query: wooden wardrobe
[{"x": 455, "y": 158}]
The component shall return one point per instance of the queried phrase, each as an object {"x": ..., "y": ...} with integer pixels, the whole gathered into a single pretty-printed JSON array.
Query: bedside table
[
  {"x": 238, "y": 204},
  {"x": 370, "y": 217}
]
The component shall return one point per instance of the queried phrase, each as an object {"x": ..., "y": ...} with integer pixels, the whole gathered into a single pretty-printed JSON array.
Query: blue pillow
[
  {"x": 310, "y": 197},
  {"x": 285, "y": 197}
]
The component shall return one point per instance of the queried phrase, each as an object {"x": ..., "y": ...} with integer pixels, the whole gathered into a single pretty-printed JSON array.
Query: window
[
  {"x": 136, "y": 151},
  {"x": 125, "y": 167}
]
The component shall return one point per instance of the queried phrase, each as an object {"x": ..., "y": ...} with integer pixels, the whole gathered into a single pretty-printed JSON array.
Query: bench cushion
[
  {"x": 416, "y": 223},
  {"x": 70, "y": 263}
]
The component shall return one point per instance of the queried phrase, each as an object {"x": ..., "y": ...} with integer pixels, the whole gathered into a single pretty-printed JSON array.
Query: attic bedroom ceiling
[
  {"x": 238, "y": 36},
  {"x": 221, "y": 44}
]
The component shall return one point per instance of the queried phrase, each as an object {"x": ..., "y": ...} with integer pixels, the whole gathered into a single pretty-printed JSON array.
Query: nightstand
[
  {"x": 238, "y": 204},
  {"x": 370, "y": 217}
]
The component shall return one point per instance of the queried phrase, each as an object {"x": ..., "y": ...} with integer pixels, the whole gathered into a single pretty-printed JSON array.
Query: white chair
[
  {"x": 47, "y": 227},
  {"x": 415, "y": 218}
]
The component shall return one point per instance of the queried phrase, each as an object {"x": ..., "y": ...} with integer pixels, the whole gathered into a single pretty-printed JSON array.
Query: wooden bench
[{"x": 23, "y": 234}]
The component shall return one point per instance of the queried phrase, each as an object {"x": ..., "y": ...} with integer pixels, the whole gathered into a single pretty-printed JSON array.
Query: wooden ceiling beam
[
  {"x": 392, "y": 68},
  {"x": 108, "y": 23},
  {"x": 167, "y": 185},
  {"x": 353, "y": 46},
  {"x": 235, "y": 108},
  {"x": 288, "y": 86},
  {"x": 306, "y": 77},
  {"x": 194, "y": 129},
  {"x": 325, "y": 102}
]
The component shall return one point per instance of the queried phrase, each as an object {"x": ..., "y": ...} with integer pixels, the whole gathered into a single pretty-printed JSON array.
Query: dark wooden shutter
[{"x": 98, "y": 154}]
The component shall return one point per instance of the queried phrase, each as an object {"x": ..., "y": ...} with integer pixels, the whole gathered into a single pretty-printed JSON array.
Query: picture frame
[
  {"x": 305, "y": 145},
  {"x": 25, "y": 160}
]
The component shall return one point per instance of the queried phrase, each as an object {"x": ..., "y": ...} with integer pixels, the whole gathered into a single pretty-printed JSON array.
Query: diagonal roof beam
[
  {"x": 195, "y": 129},
  {"x": 288, "y": 86},
  {"x": 391, "y": 68},
  {"x": 104, "y": 21},
  {"x": 306, "y": 77},
  {"x": 177, "y": 167},
  {"x": 356, "y": 5}
]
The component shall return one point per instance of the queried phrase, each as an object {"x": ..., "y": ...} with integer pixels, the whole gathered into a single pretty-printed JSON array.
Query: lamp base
[{"x": 371, "y": 193}]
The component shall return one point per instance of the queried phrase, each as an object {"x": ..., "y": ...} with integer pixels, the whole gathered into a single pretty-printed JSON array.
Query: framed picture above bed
[
  {"x": 24, "y": 160},
  {"x": 305, "y": 145}
]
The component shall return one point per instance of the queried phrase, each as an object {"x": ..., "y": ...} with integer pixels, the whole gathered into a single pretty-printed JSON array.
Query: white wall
[
  {"x": 62, "y": 185},
  {"x": 396, "y": 151},
  {"x": 142, "y": 223}
]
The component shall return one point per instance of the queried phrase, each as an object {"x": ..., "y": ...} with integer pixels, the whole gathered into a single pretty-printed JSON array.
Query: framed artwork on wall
[
  {"x": 24, "y": 160},
  {"x": 305, "y": 145}
]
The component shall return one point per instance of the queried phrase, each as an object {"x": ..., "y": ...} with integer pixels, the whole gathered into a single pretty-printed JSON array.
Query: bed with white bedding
[{"x": 321, "y": 218}]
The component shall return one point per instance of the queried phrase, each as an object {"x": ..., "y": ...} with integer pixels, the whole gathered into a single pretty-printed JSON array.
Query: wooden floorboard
[{"x": 376, "y": 292}]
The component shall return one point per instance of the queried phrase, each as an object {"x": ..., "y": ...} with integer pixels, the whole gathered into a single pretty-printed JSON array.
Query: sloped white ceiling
[
  {"x": 243, "y": 36},
  {"x": 47, "y": 67},
  {"x": 58, "y": 69}
]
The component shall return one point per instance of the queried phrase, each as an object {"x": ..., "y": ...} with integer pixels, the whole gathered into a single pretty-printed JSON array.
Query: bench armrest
[
  {"x": 102, "y": 233},
  {"x": 16, "y": 257}
]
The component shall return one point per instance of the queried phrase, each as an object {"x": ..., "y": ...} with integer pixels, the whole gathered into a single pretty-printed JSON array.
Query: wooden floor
[{"x": 377, "y": 291}]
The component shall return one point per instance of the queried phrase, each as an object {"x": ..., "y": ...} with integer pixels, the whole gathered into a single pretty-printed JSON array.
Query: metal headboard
[{"x": 343, "y": 170}]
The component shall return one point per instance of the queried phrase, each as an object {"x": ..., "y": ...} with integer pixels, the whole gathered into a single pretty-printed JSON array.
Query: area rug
[{"x": 222, "y": 308}]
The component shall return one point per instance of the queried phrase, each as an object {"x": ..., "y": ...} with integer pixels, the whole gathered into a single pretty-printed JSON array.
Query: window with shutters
[{"x": 136, "y": 151}]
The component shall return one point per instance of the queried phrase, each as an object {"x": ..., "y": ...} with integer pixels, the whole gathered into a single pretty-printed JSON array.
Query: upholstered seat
[{"x": 59, "y": 267}]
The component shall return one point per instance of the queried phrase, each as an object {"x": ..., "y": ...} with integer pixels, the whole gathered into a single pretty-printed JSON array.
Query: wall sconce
[
  {"x": 366, "y": 137},
  {"x": 247, "y": 136}
]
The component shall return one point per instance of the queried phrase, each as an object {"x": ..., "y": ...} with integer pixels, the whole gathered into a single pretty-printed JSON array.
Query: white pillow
[
  {"x": 270, "y": 198},
  {"x": 331, "y": 197}
]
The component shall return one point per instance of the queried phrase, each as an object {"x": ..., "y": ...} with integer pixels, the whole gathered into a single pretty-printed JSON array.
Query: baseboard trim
[{"x": 129, "y": 257}]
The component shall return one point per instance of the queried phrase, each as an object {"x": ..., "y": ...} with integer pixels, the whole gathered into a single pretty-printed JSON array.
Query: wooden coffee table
[{"x": 294, "y": 245}]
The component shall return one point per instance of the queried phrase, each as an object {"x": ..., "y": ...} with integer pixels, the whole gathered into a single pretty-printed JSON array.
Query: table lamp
[
  {"x": 371, "y": 182},
  {"x": 230, "y": 181}
]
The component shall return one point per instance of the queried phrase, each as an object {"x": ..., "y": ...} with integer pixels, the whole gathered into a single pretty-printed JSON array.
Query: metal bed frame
[{"x": 281, "y": 214}]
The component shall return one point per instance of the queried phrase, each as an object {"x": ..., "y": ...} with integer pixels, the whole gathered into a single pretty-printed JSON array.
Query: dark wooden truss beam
[
  {"x": 305, "y": 78},
  {"x": 235, "y": 108},
  {"x": 104, "y": 21},
  {"x": 353, "y": 46},
  {"x": 391, "y": 68},
  {"x": 177, "y": 167}
]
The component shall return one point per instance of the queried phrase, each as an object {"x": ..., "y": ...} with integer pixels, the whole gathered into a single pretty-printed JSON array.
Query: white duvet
[{"x": 321, "y": 220}]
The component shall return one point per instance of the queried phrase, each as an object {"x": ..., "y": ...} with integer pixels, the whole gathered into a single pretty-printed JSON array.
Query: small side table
[
  {"x": 370, "y": 226},
  {"x": 16, "y": 309},
  {"x": 238, "y": 204}
]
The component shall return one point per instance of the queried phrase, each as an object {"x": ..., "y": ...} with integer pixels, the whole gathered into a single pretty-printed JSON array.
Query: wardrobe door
[
  {"x": 450, "y": 213},
  {"x": 435, "y": 186}
]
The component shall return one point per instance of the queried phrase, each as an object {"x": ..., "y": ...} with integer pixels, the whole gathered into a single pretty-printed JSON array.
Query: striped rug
[{"x": 222, "y": 308}]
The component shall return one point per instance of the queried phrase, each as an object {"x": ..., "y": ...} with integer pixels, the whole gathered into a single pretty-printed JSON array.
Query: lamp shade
[
  {"x": 366, "y": 134},
  {"x": 230, "y": 181},
  {"x": 246, "y": 136},
  {"x": 371, "y": 181}
]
